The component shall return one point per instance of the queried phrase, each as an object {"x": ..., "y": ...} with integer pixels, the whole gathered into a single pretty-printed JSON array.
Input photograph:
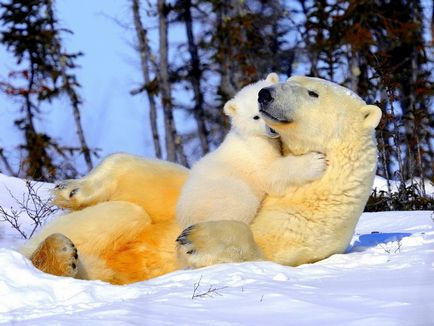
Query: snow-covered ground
[{"x": 385, "y": 278}]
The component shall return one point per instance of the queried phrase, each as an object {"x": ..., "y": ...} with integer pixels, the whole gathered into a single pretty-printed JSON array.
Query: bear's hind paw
[{"x": 56, "y": 255}]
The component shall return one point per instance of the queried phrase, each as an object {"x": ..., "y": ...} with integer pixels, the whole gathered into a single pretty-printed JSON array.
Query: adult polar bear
[{"x": 123, "y": 213}]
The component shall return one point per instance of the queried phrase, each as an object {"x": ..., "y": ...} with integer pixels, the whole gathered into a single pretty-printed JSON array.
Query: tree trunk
[
  {"x": 36, "y": 152},
  {"x": 6, "y": 164},
  {"x": 227, "y": 88},
  {"x": 195, "y": 78},
  {"x": 145, "y": 55},
  {"x": 73, "y": 96},
  {"x": 75, "y": 102},
  {"x": 312, "y": 54},
  {"x": 174, "y": 148}
]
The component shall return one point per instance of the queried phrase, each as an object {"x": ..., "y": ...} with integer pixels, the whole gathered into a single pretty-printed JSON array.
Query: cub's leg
[
  {"x": 56, "y": 255},
  {"x": 294, "y": 170},
  {"x": 215, "y": 242}
]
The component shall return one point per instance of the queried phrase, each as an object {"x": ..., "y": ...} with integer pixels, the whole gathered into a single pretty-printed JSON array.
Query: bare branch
[
  {"x": 6, "y": 163},
  {"x": 211, "y": 292},
  {"x": 31, "y": 206}
]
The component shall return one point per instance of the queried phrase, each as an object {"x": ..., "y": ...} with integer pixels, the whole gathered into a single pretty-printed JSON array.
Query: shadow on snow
[{"x": 366, "y": 241}]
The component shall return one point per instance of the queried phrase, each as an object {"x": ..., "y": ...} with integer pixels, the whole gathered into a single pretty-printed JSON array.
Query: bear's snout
[
  {"x": 265, "y": 96},
  {"x": 270, "y": 106}
]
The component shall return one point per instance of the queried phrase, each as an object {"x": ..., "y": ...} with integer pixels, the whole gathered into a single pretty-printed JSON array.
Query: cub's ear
[
  {"x": 230, "y": 108},
  {"x": 371, "y": 116},
  {"x": 272, "y": 78}
]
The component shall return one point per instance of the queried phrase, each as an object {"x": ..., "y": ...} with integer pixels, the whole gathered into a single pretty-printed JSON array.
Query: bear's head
[
  {"x": 312, "y": 113},
  {"x": 243, "y": 109}
]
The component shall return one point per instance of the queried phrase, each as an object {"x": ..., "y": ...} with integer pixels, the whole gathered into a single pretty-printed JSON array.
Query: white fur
[
  {"x": 318, "y": 219},
  {"x": 230, "y": 183}
]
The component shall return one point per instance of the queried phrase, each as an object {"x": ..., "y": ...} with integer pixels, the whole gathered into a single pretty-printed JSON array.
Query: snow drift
[{"x": 386, "y": 277}]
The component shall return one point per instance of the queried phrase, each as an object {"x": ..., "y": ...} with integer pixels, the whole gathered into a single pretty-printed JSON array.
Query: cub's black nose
[{"x": 264, "y": 96}]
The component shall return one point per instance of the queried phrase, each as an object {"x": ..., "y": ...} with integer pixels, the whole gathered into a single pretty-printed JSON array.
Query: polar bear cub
[{"x": 230, "y": 183}]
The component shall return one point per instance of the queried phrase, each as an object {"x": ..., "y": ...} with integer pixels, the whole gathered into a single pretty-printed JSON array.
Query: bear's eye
[
  {"x": 313, "y": 94},
  {"x": 256, "y": 117}
]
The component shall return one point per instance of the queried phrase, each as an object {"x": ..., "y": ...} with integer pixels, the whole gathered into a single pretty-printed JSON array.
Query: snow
[
  {"x": 380, "y": 184},
  {"x": 385, "y": 278}
]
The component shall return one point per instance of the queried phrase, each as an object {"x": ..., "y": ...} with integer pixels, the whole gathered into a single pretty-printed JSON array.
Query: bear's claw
[
  {"x": 60, "y": 186},
  {"x": 215, "y": 242},
  {"x": 73, "y": 192},
  {"x": 182, "y": 239},
  {"x": 68, "y": 194}
]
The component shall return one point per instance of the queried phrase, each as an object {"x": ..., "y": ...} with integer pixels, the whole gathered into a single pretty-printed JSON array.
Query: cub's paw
[
  {"x": 316, "y": 165},
  {"x": 69, "y": 194},
  {"x": 215, "y": 242},
  {"x": 56, "y": 255}
]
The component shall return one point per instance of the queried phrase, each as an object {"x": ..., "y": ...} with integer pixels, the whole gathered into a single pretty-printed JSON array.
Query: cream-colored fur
[
  {"x": 127, "y": 233},
  {"x": 122, "y": 200},
  {"x": 237, "y": 245},
  {"x": 95, "y": 229},
  {"x": 152, "y": 184},
  {"x": 231, "y": 182},
  {"x": 315, "y": 220}
]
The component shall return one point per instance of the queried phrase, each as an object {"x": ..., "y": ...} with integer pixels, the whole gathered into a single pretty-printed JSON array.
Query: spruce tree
[{"x": 29, "y": 30}]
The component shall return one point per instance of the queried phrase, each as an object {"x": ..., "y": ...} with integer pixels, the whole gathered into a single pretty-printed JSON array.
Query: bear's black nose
[{"x": 265, "y": 97}]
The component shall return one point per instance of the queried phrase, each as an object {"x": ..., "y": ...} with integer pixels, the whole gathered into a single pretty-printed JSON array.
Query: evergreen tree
[
  {"x": 238, "y": 43},
  {"x": 30, "y": 33}
]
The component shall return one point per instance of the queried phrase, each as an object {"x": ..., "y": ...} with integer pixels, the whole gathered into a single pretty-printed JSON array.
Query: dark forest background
[{"x": 381, "y": 49}]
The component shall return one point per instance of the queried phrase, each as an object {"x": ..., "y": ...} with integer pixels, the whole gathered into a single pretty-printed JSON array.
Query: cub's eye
[
  {"x": 256, "y": 117},
  {"x": 313, "y": 94}
]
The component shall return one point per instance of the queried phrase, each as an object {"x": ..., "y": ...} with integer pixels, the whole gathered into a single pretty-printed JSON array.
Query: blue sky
[{"x": 113, "y": 120}]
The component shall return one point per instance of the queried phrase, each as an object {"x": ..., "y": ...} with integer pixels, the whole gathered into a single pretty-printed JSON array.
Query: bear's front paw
[
  {"x": 69, "y": 194},
  {"x": 209, "y": 243},
  {"x": 316, "y": 165}
]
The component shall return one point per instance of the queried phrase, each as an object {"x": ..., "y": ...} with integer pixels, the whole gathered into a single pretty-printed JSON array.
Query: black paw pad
[
  {"x": 183, "y": 237},
  {"x": 73, "y": 192}
]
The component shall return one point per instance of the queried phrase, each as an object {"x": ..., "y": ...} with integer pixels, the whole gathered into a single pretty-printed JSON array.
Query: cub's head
[
  {"x": 310, "y": 113},
  {"x": 243, "y": 109}
]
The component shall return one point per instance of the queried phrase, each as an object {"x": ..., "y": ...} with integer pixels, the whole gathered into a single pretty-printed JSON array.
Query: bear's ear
[
  {"x": 230, "y": 108},
  {"x": 272, "y": 78},
  {"x": 371, "y": 116}
]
